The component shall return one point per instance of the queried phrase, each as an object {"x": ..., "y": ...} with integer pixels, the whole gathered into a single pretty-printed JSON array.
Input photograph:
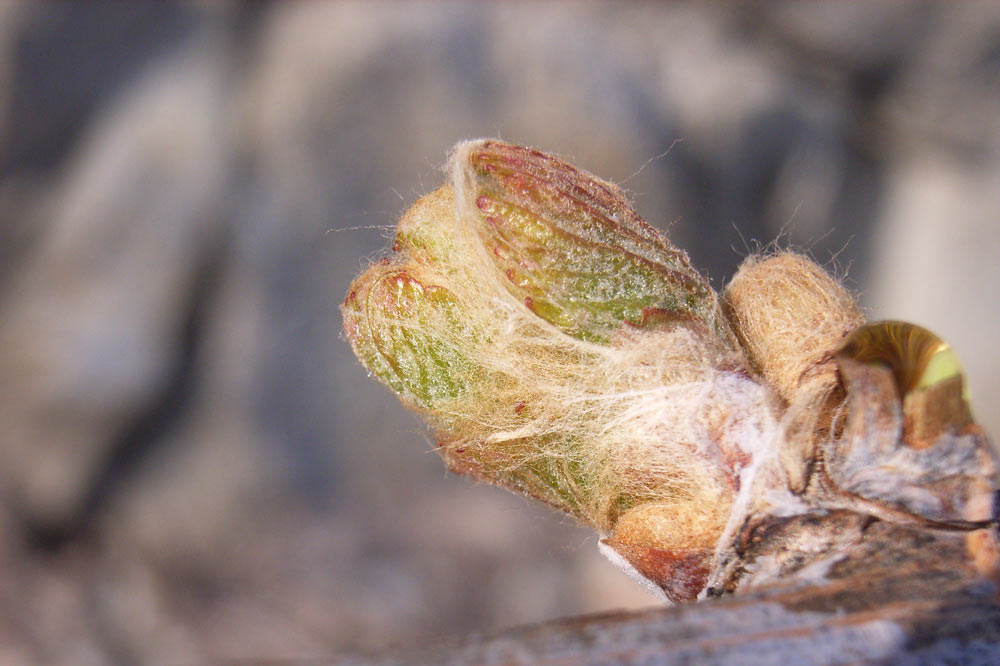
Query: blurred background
[{"x": 193, "y": 466}]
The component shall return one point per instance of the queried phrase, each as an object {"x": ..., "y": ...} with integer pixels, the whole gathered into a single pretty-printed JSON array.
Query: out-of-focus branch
[{"x": 899, "y": 595}]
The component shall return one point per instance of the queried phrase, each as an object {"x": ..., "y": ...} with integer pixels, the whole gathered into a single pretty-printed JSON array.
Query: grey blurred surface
[{"x": 194, "y": 468}]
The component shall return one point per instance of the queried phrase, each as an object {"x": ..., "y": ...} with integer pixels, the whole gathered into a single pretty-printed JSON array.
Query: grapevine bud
[{"x": 560, "y": 347}]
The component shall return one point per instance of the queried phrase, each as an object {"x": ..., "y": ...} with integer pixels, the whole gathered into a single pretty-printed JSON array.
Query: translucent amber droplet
[
  {"x": 943, "y": 364},
  {"x": 929, "y": 380},
  {"x": 918, "y": 358}
]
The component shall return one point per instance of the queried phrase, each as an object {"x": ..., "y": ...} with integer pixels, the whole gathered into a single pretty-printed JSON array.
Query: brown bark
[{"x": 896, "y": 595}]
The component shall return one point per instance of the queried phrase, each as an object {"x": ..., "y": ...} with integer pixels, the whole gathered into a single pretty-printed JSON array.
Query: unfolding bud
[
  {"x": 560, "y": 347},
  {"x": 485, "y": 319}
]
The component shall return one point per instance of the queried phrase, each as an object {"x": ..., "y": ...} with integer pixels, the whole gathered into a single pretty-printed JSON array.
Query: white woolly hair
[{"x": 649, "y": 437}]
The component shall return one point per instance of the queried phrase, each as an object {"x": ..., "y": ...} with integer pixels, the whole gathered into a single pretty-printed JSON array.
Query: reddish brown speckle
[
  {"x": 510, "y": 276},
  {"x": 528, "y": 301},
  {"x": 482, "y": 202},
  {"x": 513, "y": 161},
  {"x": 396, "y": 246},
  {"x": 384, "y": 261},
  {"x": 519, "y": 406},
  {"x": 514, "y": 183}
]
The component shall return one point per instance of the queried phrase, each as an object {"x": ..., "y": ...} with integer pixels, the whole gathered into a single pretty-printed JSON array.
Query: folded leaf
[{"x": 573, "y": 248}]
